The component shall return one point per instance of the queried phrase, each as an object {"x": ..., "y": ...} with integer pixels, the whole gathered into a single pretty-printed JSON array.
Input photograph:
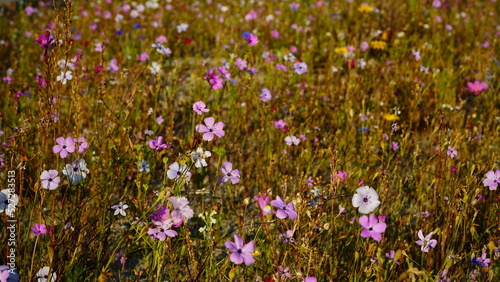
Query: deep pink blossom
[
  {"x": 39, "y": 229},
  {"x": 476, "y": 87},
  {"x": 64, "y": 146},
  {"x": 372, "y": 227}
]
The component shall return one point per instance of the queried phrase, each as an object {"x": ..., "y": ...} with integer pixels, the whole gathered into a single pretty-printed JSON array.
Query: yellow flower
[
  {"x": 256, "y": 253},
  {"x": 341, "y": 50},
  {"x": 391, "y": 117},
  {"x": 365, "y": 8},
  {"x": 380, "y": 45}
]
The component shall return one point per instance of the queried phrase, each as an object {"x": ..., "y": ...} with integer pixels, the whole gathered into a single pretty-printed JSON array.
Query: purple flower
[
  {"x": 372, "y": 227},
  {"x": 288, "y": 236},
  {"x": 394, "y": 146},
  {"x": 50, "y": 180},
  {"x": 492, "y": 179},
  {"x": 292, "y": 140},
  {"x": 120, "y": 209},
  {"x": 426, "y": 242},
  {"x": 229, "y": 173},
  {"x": 162, "y": 230},
  {"x": 200, "y": 107},
  {"x": 476, "y": 87},
  {"x": 263, "y": 202},
  {"x": 284, "y": 210},
  {"x": 120, "y": 256},
  {"x": 157, "y": 144},
  {"x": 64, "y": 146},
  {"x": 280, "y": 124},
  {"x": 265, "y": 95},
  {"x": 211, "y": 129},
  {"x": 182, "y": 210},
  {"x": 300, "y": 68},
  {"x": 8, "y": 274},
  {"x": 39, "y": 229},
  {"x": 481, "y": 261},
  {"x": 241, "y": 252},
  {"x": 416, "y": 54},
  {"x": 452, "y": 152},
  {"x": 240, "y": 63},
  {"x": 310, "y": 279},
  {"x": 283, "y": 272}
]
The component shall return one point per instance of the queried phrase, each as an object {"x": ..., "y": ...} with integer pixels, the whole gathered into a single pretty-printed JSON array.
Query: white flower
[
  {"x": 8, "y": 202},
  {"x": 292, "y": 140},
  {"x": 120, "y": 208},
  {"x": 366, "y": 198},
  {"x": 199, "y": 157},
  {"x": 76, "y": 171},
  {"x": 176, "y": 171},
  {"x": 44, "y": 273},
  {"x": 162, "y": 49},
  {"x": 182, "y": 27},
  {"x": 64, "y": 77},
  {"x": 155, "y": 68}
]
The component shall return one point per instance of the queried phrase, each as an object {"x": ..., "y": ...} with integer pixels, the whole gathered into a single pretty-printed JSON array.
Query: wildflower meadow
[{"x": 250, "y": 140}]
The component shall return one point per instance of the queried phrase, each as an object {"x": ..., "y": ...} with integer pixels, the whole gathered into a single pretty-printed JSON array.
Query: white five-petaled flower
[
  {"x": 64, "y": 77},
  {"x": 176, "y": 171},
  {"x": 199, "y": 157},
  {"x": 155, "y": 68},
  {"x": 50, "y": 180},
  {"x": 76, "y": 171},
  {"x": 182, "y": 27},
  {"x": 44, "y": 273},
  {"x": 162, "y": 49},
  {"x": 366, "y": 198},
  {"x": 292, "y": 140},
  {"x": 120, "y": 208}
]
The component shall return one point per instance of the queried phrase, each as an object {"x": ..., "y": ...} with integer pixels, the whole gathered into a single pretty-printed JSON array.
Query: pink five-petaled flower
[
  {"x": 182, "y": 210},
  {"x": 39, "y": 229},
  {"x": 64, "y": 146},
  {"x": 211, "y": 128},
  {"x": 340, "y": 176},
  {"x": 229, "y": 173},
  {"x": 263, "y": 202},
  {"x": 284, "y": 210},
  {"x": 426, "y": 242},
  {"x": 492, "y": 179},
  {"x": 300, "y": 68},
  {"x": 45, "y": 40},
  {"x": 241, "y": 252},
  {"x": 50, "y": 180},
  {"x": 452, "y": 152},
  {"x": 157, "y": 144},
  {"x": 372, "y": 227},
  {"x": 82, "y": 144},
  {"x": 162, "y": 230},
  {"x": 251, "y": 38},
  {"x": 292, "y": 140},
  {"x": 200, "y": 107},
  {"x": 476, "y": 87},
  {"x": 265, "y": 95}
]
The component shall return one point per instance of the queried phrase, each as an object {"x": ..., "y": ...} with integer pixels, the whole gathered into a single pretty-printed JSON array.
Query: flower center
[
  {"x": 365, "y": 199},
  {"x": 50, "y": 179},
  {"x": 239, "y": 251}
]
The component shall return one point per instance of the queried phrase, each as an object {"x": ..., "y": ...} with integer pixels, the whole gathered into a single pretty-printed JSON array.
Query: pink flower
[
  {"x": 284, "y": 210},
  {"x": 64, "y": 146},
  {"x": 82, "y": 144},
  {"x": 214, "y": 79},
  {"x": 252, "y": 15},
  {"x": 39, "y": 229},
  {"x": 280, "y": 124},
  {"x": 341, "y": 175},
  {"x": 300, "y": 68},
  {"x": 476, "y": 87},
  {"x": 211, "y": 129},
  {"x": 263, "y": 202},
  {"x": 182, "y": 210},
  {"x": 251, "y": 38},
  {"x": 46, "y": 40},
  {"x": 241, "y": 252},
  {"x": 492, "y": 179},
  {"x": 161, "y": 39},
  {"x": 143, "y": 57},
  {"x": 157, "y": 144},
  {"x": 229, "y": 173},
  {"x": 426, "y": 242},
  {"x": 240, "y": 63},
  {"x": 275, "y": 34},
  {"x": 452, "y": 152},
  {"x": 266, "y": 95},
  {"x": 200, "y": 107},
  {"x": 372, "y": 227}
]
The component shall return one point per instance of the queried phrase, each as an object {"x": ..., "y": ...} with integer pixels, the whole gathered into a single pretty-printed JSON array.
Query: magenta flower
[
  {"x": 64, "y": 146},
  {"x": 211, "y": 129},
  {"x": 229, "y": 173},
  {"x": 39, "y": 229},
  {"x": 214, "y": 80},
  {"x": 341, "y": 175},
  {"x": 372, "y": 227},
  {"x": 45, "y": 40},
  {"x": 82, "y": 144},
  {"x": 263, "y": 203},
  {"x": 492, "y": 179},
  {"x": 265, "y": 95},
  {"x": 310, "y": 279},
  {"x": 200, "y": 107},
  {"x": 284, "y": 210},
  {"x": 280, "y": 124},
  {"x": 241, "y": 252},
  {"x": 251, "y": 38},
  {"x": 157, "y": 144},
  {"x": 50, "y": 180},
  {"x": 426, "y": 242},
  {"x": 300, "y": 68},
  {"x": 452, "y": 152},
  {"x": 476, "y": 87}
]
